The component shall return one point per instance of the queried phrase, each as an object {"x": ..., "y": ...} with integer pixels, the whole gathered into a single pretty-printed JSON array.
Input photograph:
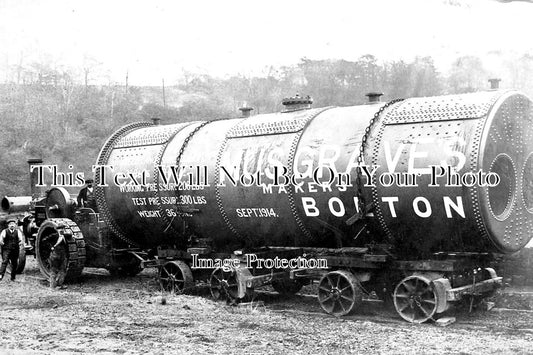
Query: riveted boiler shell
[
  {"x": 330, "y": 146},
  {"x": 197, "y": 197},
  {"x": 241, "y": 212},
  {"x": 488, "y": 132},
  {"x": 133, "y": 212},
  {"x": 300, "y": 141}
]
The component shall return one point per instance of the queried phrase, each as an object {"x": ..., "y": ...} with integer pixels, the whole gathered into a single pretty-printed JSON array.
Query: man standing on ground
[
  {"x": 86, "y": 196},
  {"x": 11, "y": 241}
]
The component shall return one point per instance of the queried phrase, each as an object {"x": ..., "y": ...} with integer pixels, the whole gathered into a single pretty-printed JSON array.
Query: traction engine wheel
[
  {"x": 47, "y": 237},
  {"x": 339, "y": 293},
  {"x": 21, "y": 261},
  {"x": 176, "y": 277},
  {"x": 415, "y": 299},
  {"x": 225, "y": 285}
]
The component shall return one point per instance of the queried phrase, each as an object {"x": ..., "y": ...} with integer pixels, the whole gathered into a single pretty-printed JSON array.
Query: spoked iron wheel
[
  {"x": 339, "y": 293},
  {"x": 225, "y": 285},
  {"x": 176, "y": 277},
  {"x": 415, "y": 299}
]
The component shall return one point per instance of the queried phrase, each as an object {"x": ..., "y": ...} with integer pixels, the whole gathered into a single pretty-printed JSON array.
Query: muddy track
[{"x": 107, "y": 314}]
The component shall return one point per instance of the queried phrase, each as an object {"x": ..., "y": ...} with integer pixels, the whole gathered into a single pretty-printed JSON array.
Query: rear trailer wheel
[
  {"x": 415, "y": 299},
  {"x": 46, "y": 239},
  {"x": 176, "y": 277},
  {"x": 339, "y": 293},
  {"x": 224, "y": 285}
]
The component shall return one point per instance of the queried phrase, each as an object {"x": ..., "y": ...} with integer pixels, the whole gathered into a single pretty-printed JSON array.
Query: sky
[{"x": 155, "y": 40}]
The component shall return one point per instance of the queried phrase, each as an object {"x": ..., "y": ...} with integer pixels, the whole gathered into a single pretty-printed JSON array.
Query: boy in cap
[{"x": 11, "y": 241}]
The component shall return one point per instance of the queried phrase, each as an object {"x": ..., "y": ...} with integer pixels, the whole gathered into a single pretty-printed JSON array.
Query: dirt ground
[{"x": 105, "y": 314}]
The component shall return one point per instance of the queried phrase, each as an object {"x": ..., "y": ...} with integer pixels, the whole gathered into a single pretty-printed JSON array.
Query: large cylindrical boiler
[
  {"x": 483, "y": 134},
  {"x": 239, "y": 207}
]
